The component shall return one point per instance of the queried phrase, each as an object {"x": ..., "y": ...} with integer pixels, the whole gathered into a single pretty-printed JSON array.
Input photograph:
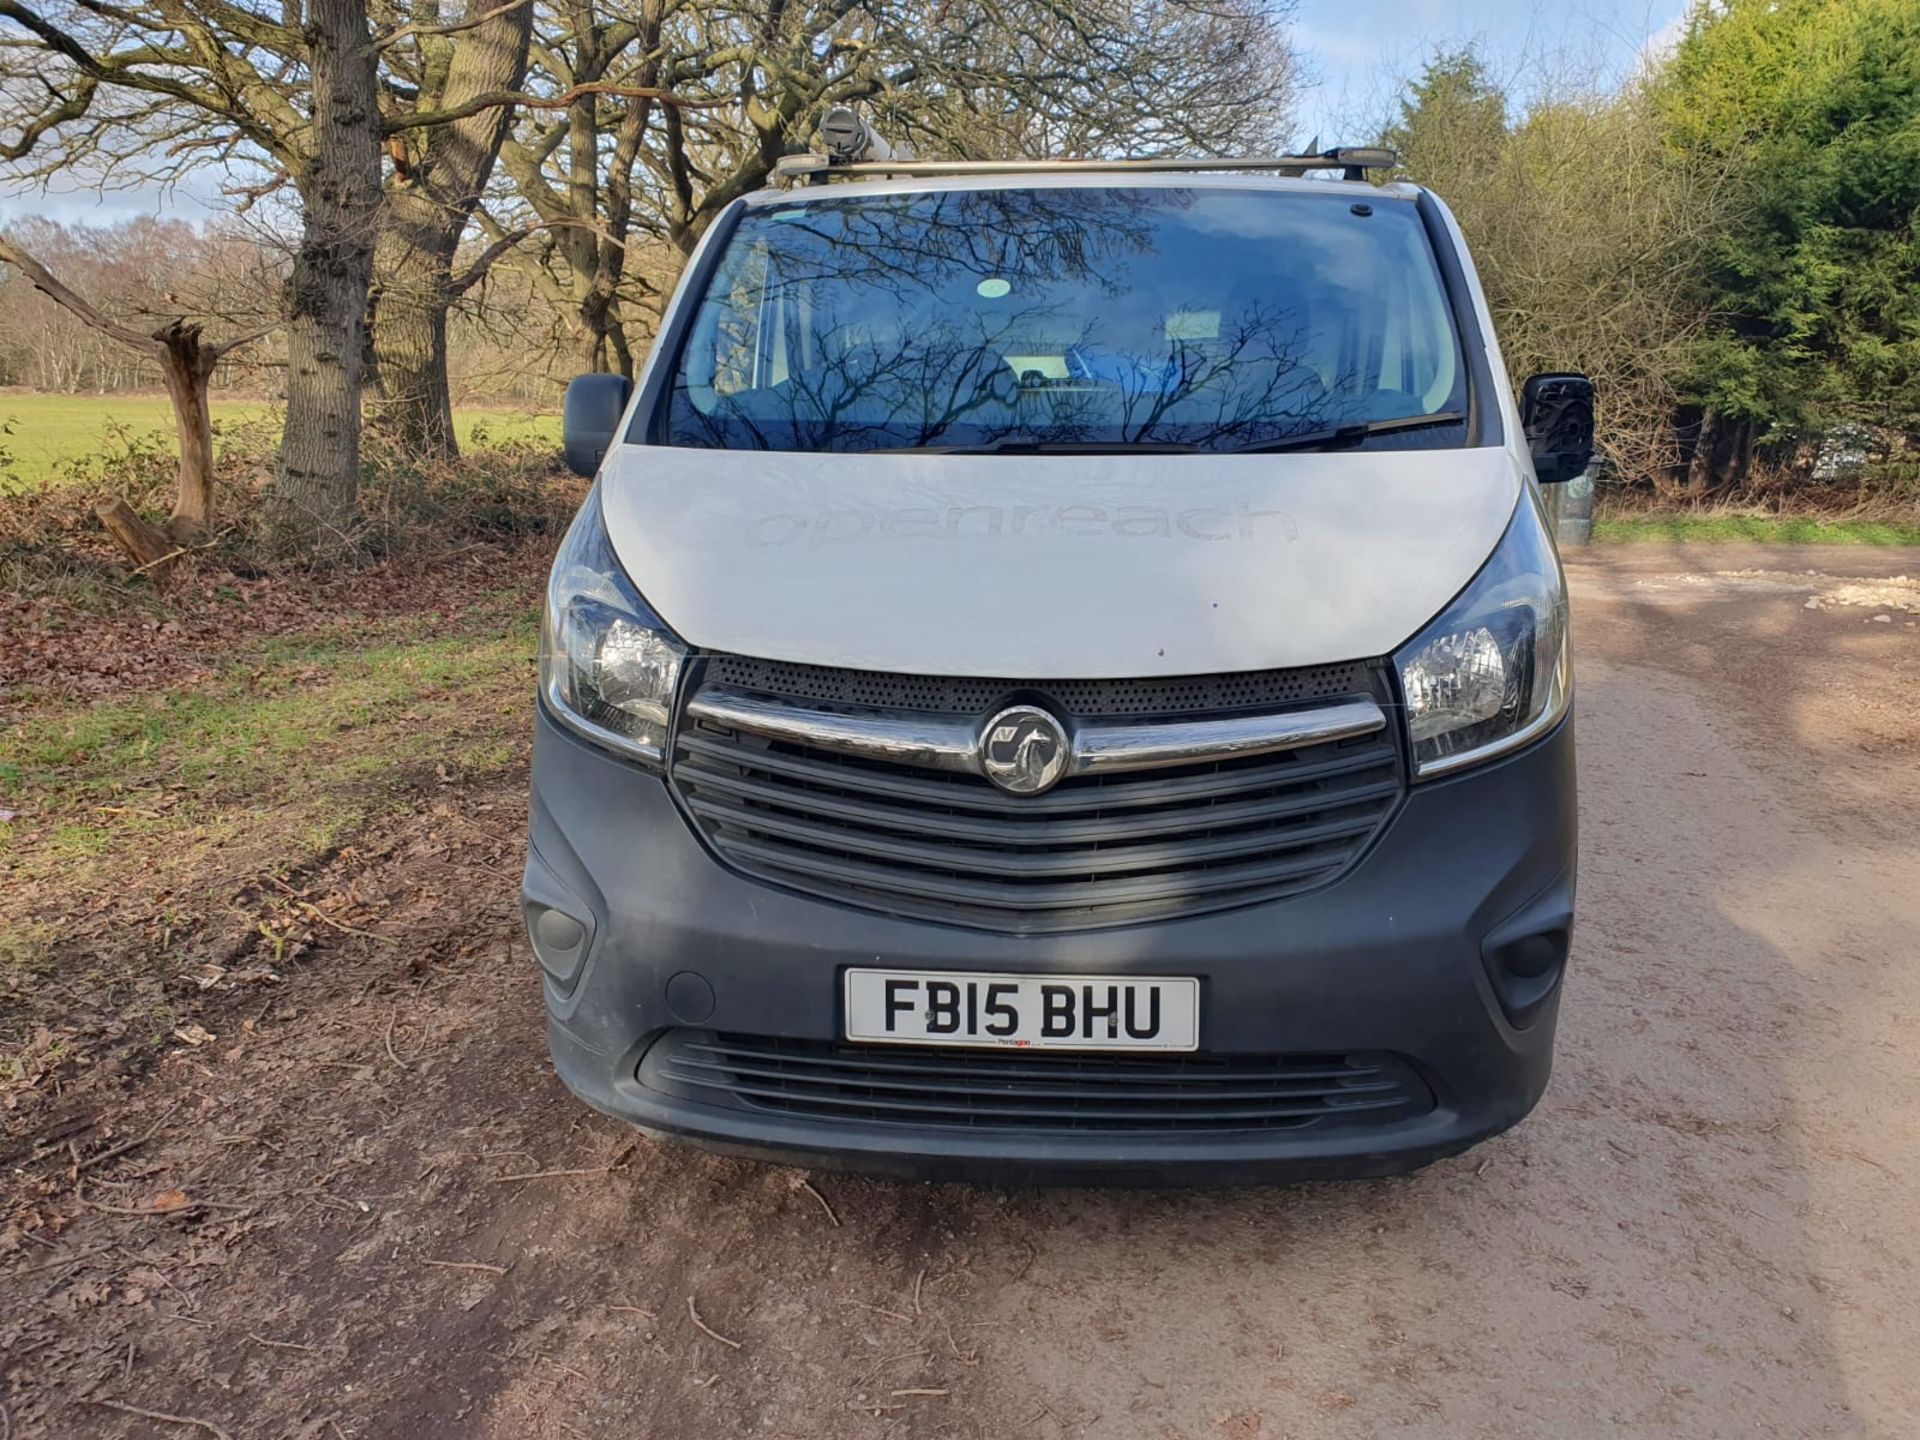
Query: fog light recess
[
  {"x": 1525, "y": 971},
  {"x": 1526, "y": 953},
  {"x": 559, "y": 940}
]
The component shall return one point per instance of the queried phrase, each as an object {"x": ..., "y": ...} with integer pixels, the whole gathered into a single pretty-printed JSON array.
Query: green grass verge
[
  {"x": 1768, "y": 529},
  {"x": 291, "y": 744},
  {"x": 39, "y": 434},
  {"x": 153, "y": 834}
]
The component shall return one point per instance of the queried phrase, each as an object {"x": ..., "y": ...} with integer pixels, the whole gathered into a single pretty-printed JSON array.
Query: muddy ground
[{"x": 386, "y": 1218}]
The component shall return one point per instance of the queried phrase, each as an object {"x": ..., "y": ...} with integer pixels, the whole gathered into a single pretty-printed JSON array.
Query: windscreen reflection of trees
[{"x": 944, "y": 371}]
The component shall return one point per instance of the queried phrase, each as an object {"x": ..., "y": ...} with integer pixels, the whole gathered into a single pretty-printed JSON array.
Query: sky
[
  {"x": 1353, "y": 54},
  {"x": 1356, "y": 51}
]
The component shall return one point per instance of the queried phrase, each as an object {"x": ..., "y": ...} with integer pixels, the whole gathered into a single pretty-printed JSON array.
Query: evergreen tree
[{"x": 1816, "y": 285}]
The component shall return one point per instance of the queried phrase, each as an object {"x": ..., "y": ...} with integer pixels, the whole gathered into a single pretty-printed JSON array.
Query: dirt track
[{"x": 1708, "y": 1227}]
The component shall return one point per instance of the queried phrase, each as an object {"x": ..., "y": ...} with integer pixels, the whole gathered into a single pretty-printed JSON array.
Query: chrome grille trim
[
  {"x": 897, "y": 739},
  {"x": 1161, "y": 744},
  {"x": 1097, "y": 746}
]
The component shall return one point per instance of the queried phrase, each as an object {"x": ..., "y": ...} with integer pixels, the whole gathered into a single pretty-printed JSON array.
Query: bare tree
[
  {"x": 677, "y": 110},
  {"x": 289, "y": 94},
  {"x": 186, "y": 363},
  {"x": 579, "y": 187}
]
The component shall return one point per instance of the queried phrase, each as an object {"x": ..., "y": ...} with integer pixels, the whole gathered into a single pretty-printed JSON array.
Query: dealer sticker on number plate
[{"x": 1043, "y": 1012}]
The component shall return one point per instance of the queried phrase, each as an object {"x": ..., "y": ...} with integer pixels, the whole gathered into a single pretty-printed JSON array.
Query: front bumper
[{"x": 1444, "y": 946}]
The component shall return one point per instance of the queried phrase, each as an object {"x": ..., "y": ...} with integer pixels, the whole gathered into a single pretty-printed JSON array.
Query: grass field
[
  {"x": 1766, "y": 529},
  {"x": 40, "y": 432}
]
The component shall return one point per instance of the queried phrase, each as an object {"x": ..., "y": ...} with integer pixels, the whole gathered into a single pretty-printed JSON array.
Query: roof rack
[{"x": 1354, "y": 161}]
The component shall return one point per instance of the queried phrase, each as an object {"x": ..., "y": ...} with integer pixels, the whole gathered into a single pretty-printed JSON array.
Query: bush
[
  {"x": 491, "y": 492},
  {"x": 51, "y": 543},
  {"x": 1582, "y": 225}
]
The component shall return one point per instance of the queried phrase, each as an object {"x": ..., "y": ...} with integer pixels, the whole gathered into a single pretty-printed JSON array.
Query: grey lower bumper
[{"x": 1444, "y": 946}]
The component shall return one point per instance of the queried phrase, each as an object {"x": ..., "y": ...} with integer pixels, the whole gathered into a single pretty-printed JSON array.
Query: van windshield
[{"x": 1212, "y": 319}]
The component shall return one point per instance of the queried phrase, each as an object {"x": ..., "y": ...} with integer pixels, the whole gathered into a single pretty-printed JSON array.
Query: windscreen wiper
[
  {"x": 1033, "y": 445},
  {"x": 1349, "y": 434},
  {"x": 1328, "y": 439}
]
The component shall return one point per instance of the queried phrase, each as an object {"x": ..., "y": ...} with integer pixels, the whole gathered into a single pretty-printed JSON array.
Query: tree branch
[
  {"x": 71, "y": 107},
  {"x": 116, "y": 68},
  {"x": 539, "y": 102},
  {"x": 220, "y": 352},
  {"x": 48, "y": 284},
  {"x": 507, "y": 239},
  {"x": 472, "y": 22},
  {"x": 483, "y": 262}
]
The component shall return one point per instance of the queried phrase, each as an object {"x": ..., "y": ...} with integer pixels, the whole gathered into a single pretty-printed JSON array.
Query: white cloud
[
  {"x": 71, "y": 202},
  {"x": 1655, "y": 49}
]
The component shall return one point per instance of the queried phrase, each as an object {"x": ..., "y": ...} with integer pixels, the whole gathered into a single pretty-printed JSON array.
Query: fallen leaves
[
  {"x": 48, "y": 1054},
  {"x": 86, "y": 1294}
]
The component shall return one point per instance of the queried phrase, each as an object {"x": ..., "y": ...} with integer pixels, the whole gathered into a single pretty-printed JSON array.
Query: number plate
[{"x": 1041, "y": 1012}]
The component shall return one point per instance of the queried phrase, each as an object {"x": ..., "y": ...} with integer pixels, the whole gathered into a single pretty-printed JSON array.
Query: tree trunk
[
  {"x": 1722, "y": 455},
  {"x": 317, "y": 479},
  {"x": 1700, "y": 467},
  {"x": 590, "y": 340},
  {"x": 414, "y": 261},
  {"x": 438, "y": 177},
  {"x": 1742, "y": 461},
  {"x": 186, "y": 365},
  {"x": 622, "y": 352}
]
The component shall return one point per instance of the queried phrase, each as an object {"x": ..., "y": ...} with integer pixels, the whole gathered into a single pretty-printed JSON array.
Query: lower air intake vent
[{"x": 1008, "y": 1090}]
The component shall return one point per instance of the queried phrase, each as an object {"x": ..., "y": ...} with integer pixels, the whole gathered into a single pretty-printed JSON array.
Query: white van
[{"x": 1063, "y": 676}]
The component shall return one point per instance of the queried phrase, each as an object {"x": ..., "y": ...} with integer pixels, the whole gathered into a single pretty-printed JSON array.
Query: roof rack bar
[{"x": 1354, "y": 161}]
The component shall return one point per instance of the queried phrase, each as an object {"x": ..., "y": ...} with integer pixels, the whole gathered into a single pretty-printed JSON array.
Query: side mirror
[
  {"x": 1557, "y": 413},
  {"x": 588, "y": 418}
]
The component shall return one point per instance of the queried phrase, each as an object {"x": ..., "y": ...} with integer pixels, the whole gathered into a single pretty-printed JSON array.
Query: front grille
[
  {"x": 1025, "y": 1090},
  {"x": 1097, "y": 850}
]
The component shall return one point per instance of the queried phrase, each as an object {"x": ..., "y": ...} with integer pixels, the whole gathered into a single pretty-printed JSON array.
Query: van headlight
[
  {"x": 1493, "y": 671},
  {"x": 608, "y": 665}
]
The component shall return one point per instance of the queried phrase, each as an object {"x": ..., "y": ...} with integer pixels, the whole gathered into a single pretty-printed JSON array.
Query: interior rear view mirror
[
  {"x": 590, "y": 415},
  {"x": 1557, "y": 413}
]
